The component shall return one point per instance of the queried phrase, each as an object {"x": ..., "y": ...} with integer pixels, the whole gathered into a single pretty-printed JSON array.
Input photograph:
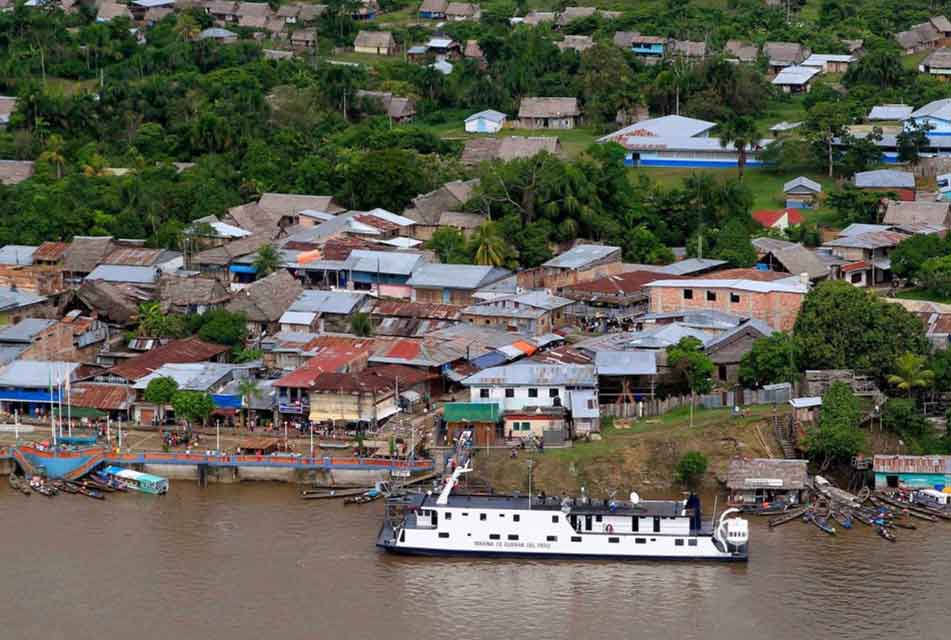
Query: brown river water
[{"x": 253, "y": 562}]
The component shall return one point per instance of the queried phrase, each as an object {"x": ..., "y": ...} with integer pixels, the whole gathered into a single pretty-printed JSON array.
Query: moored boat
[
  {"x": 788, "y": 516},
  {"x": 546, "y": 527},
  {"x": 327, "y": 494},
  {"x": 885, "y": 533},
  {"x": 138, "y": 481}
]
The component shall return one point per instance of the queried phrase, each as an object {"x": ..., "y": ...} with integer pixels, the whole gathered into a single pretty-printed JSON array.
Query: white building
[
  {"x": 488, "y": 121},
  {"x": 516, "y": 387}
]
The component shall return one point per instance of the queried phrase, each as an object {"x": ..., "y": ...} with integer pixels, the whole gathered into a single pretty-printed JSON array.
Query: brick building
[{"x": 776, "y": 303}]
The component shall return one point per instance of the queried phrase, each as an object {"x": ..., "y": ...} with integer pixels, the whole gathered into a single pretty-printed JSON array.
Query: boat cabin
[{"x": 138, "y": 481}]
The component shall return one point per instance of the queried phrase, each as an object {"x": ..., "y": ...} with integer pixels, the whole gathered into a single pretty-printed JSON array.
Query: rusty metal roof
[{"x": 912, "y": 464}]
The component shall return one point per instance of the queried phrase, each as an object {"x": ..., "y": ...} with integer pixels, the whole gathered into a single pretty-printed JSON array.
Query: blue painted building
[
  {"x": 686, "y": 152},
  {"x": 919, "y": 472},
  {"x": 31, "y": 387},
  {"x": 936, "y": 114},
  {"x": 650, "y": 48}
]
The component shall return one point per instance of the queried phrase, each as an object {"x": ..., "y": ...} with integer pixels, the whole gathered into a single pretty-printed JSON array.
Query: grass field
[
  {"x": 573, "y": 141},
  {"x": 922, "y": 294}
]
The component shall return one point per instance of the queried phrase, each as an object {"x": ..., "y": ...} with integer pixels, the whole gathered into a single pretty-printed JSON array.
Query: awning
[{"x": 386, "y": 413}]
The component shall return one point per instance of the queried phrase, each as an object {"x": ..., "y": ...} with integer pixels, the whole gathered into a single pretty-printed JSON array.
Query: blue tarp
[
  {"x": 491, "y": 359},
  {"x": 226, "y": 401},
  {"x": 243, "y": 268}
]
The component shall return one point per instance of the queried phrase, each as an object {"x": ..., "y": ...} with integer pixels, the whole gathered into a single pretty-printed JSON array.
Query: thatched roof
[
  {"x": 86, "y": 252},
  {"x": 753, "y": 474},
  {"x": 183, "y": 292},
  {"x": 112, "y": 302},
  {"x": 267, "y": 299},
  {"x": 548, "y": 108},
  {"x": 375, "y": 40}
]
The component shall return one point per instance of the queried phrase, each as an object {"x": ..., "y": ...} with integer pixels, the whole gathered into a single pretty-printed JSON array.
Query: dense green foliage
[
  {"x": 771, "y": 360},
  {"x": 935, "y": 275},
  {"x": 909, "y": 256},
  {"x": 837, "y": 436},
  {"x": 691, "y": 467},
  {"x": 193, "y": 406}
]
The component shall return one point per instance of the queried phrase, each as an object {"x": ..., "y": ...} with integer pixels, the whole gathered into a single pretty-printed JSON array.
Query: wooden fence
[{"x": 777, "y": 394}]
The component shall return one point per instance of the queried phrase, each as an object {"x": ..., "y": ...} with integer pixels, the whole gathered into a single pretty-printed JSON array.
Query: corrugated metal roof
[
  {"x": 625, "y": 363},
  {"x": 124, "y": 273},
  {"x": 912, "y": 464},
  {"x": 890, "y": 112},
  {"x": 802, "y": 181},
  {"x": 336, "y": 302},
  {"x": 690, "y": 265},
  {"x": 488, "y": 114},
  {"x": 17, "y": 254},
  {"x": 795, "y": 76},
  {"x": 673, "y": 126},
  {"x": 190, "y": 376},
  {"x": 755, "y": 286},
  {"x": 35, "y": 374},
  {"x": 305, "y": 318},
  {"x": 456, "y": 276},
  {"x": 531, "y": 373},
  {"x": 936, "y": 109},
  {"x": 581, "y": 256},
  {"x": 388, "y": 262},
  {"x": 885, "y": 178},
  {"x": 584, "y": 404},
  {"x": 25, "y": 330},
  {"x": 806, "y": 403}
]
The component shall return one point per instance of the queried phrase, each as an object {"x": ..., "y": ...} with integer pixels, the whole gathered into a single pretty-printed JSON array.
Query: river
[{"x": 252, "y": 561}]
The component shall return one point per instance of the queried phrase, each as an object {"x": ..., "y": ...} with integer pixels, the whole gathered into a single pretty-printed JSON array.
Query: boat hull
[{"x": 529, "y": 555}]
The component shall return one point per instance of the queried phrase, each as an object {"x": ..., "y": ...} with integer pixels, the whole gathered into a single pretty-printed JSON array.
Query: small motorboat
[
  {"x": 92, "y": 493},
  {"x": 20, "y": 484},
  {"x": 885, "y": 533},
  {"x": 903, "y": 525},
  {"x": 823, "y": 523},
  {"x": 788, "y": 516},
  {"x": 328, "y": 494},
  {"x": 70, "y": 487},
  {"x": 381, "y": 490},
  {"x": 844, "y": 519}
]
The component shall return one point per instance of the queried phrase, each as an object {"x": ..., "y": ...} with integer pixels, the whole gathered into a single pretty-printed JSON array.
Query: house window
[
  {"x": 554, "y": 519},
  {"x": 857, "y": 278},
  {"x": 494, "y": 536},
  {"x": 481, "y": 516},
  {"x": 688, "y": 294},
  {"x": 721, "y": 372},
  {"x": 533, "y": 393},
  {"x": 443, "y": 534},
  {"x": 553, "y": 393},
  {"x": 678, "y": 542},
  {"x": 711, "y": 296},
  {"x": 510, "y": 393},
  {"x": 735, "y": 298},
  {"x": 483, "y": 393},
  {"x": 552, "y": 538},
  {"x": 513, "y": 536},
  {"x": 516, "y": 518}
]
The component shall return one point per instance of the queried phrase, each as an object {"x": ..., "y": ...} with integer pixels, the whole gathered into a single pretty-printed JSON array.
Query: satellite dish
[{"x": 634, "y": 497}]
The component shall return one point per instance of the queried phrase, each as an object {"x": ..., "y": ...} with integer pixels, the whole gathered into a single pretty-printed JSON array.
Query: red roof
[
  {"x": 106, "y": 397},
  {"x": 176, "y": 351},
  {"x": 400, "y": 309},
  {"x": 748, "y": 274},
  {"x": 393, "y": 373},
  {"x": 404, "y": 349},
  {"x": 350, "y": 383},
  {"x": 769, "y": 218},
  {"x": 377, "y": 223},
  {"x": 855, "y": 266},
  {"x": 50, "y": 251}
]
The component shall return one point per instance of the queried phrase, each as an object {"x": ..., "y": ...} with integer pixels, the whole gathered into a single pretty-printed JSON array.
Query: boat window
[
  {"x": 516, "y": 518},
  {"x": 587, "y": 523},
  {"x": 597, "y": 518},
  {"x": 656, "y": 525},
  {"x": 635, "y": 524},
  {"x": 554, "y": 519},
  {"x": 494, "y": 536},
  {"x": 501, "y": 515},
  {"x": 576, "y": 538},
  {"x": 510, "y": 393},
  {"x": 533, "y": 393},
  {"x": 483, "y": 393},
  {"x": 614, "y": 539},
  {"x": 465, "y": 515},
  {"x": 403, "y": 535},
  {"x": 678, "y": 542},
  {"x": 435, "y": 515},
  {"x": 640, "y": 540},
  {"x": 448, "y": 515},
  {"x": 443, "y": 534},
  {"x": 691, "y": 543},
  {"x": 552, "y": 538},
  {"x": 513, "y": 536},
  {"x": 481, "y": 516}
]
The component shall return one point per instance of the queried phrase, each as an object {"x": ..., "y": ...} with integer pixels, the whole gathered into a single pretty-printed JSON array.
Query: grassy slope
[{"x": 922, "y": 294}]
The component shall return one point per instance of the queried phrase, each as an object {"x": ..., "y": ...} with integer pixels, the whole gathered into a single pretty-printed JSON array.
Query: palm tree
[
  {"x": 267, "y": 261},
  {"x": 247, "y": 389},
  {"x": 489, "y": 245},
  {"x": 910, "y": 373},
  {"x": 54, "y": 154},
  {"x": 152, "y": 321},
  {"x": 186, "y": 26},
  {"x": 742, "y": 133}
]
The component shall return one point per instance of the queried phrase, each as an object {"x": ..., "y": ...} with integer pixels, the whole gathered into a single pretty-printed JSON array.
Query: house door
[{"x": 891, "y": 481}]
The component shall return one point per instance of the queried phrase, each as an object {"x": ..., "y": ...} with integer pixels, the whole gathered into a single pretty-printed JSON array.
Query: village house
[
  {"x": 478, "y": 150},
  {"x": 890, "y": 113},
  {"x": 482, "y": 419},
  {"x": 791, "y": 258},
  {"x": 74, "y": 338},
  {"x": 360, "y": 399},
  {"x": 222, "y": 262},
  {"x": 901, "y": 183},
  {"x": 323, "y": 311},
  {"x": 461, "y": 11},
  {"x": 938, "y": 64},
  {"x": 433, "y": 9},
  {"x": 898, "y": 212},
  {"x": 379, "y": 43},
  {"x": 15, "y": 171},
  {"x": 762, "y": 482},
  {"x": 570, "y": 14},
  {"x": 530, "y": 313},
  {"x": 795, "y": 79},
  {"x": 186, "y": 296},
  {"x": 575, "y": 43},
  {"x": 434, "y": 210},
  {"x": 776, "y": 303},
  {"x": 936, "y": 116},
  {"x": 264, "y": 301},
  {"x": 913, "y": 472},
  {"x": 650, "y": 49},
  {"x": 384, "y": 272},
  {"x": 780, "y": 220},
  {"x": 828, "y": 62},
  {"x": 802, "y": 193},
  {"x": 102, "y": 400},
  {"x": 535, "y": 18},
  {"x": 549, "y": 426},
  {"x": 398, "y": 109},
  {"x": 304, "y": 38},
  {"x": 581, "y": 263},
  {"x": 488, "y": 121},
  {"x": 222, "y": 10},
  {"x": 83, "y": 255},
  {"x": 25, "y": 385},
  {"x": 740, "y": 52},
  {"x": 452, "y": 283},
  {"x": 687, "y": 49},
  {"x": 202, "y": 377},
  {"x": 920, "y": 37},
  {"x": 412, "y": 319},
  {"x": 864, "y": 255},
  {"x": 126, "y": 368},
  {"x": 473, "y": 51},
  {"x": 610, "y": 301},
  {"x": 781, "y": 55},
  {"x": 549, "y": 113},
  {"x": 109, "y": 11},
  {"x": 222, "y": 36},
  {"x": 625, "y": 378}
]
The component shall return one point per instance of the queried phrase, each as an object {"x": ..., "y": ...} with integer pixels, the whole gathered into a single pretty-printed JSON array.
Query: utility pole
[
  {"x": 218, "y": 435},
  {"x": 531, "y": 463}
]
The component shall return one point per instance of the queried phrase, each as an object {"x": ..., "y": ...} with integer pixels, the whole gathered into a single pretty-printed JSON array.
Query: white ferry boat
[{"x": 546, "y": 527}]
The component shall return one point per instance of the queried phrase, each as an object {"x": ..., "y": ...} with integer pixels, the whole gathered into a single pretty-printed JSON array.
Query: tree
[
  {"x": 743, "y": 134},
  {"x": 900, "y": 416},
  {"x": 733, "y": 244},
  {"x": 248, "y": 390},
  {"x": 837, "y": 436},
  {"x": 855, "y": 205},
  {"x": 160, "y": 392},
  {"x": 911, "y": 373},
  {"x": 267, "y": 261},
  {"x": 691, "y": 467},
  {"x": 641, "y": 246},
  {"x": 450, "y": 245},
  {"x": 488, "y": 245},
  {"x": 688, "y": 358},
  {"x": 360, "y": 325},
  {"x": 193, "y": 406},
  {"x": 878, "y": 67},
  {"x": 223, "y": 327},
  {"x": 186, "y": 26},
  {"x": 912, "y": 139},
  {"x": 825, "y": 123},
  {"x": 771, "y": 360},
  {"x": 909, "y": 256},
  {"x": 54, "y": 154},
  {"x": 935, "y": 275},
  {"x": 843, "y": 327}
]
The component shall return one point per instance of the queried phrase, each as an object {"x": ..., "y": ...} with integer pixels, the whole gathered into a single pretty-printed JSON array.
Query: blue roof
[{"x": 488, "y": 114}]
